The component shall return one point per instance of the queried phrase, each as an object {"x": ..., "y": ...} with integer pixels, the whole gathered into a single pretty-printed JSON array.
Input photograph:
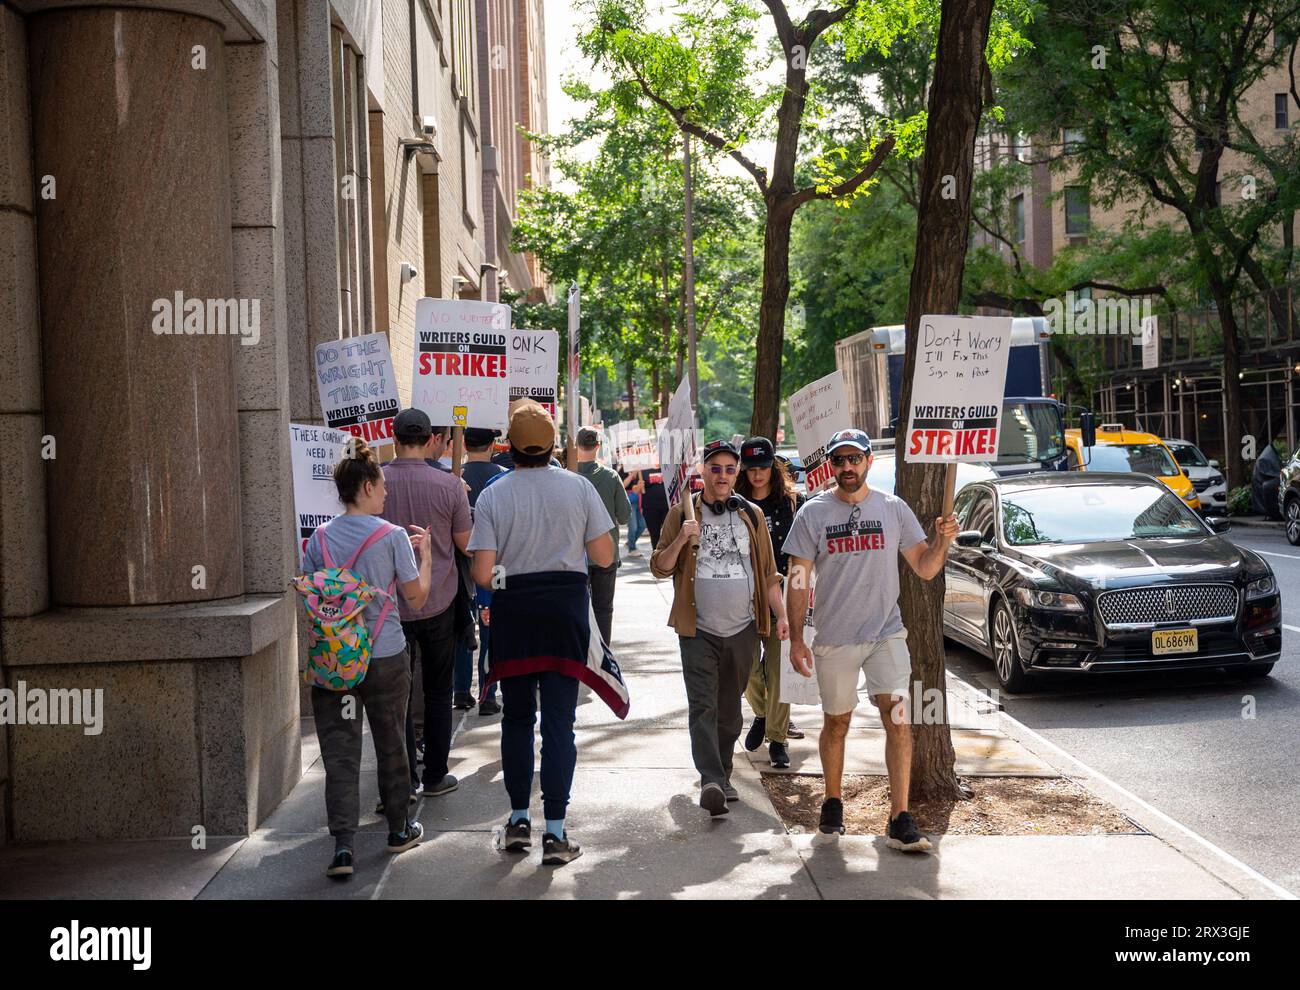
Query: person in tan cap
[{"x": 536, "y": 530}]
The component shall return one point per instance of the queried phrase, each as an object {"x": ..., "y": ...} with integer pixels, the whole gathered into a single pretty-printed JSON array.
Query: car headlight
[
  {"x": 1190, "y": 496},
  {"x": 1216, "y": 479},
  {"x": 1261, "y": 587},
  {"x": 1049, "y": 599}
]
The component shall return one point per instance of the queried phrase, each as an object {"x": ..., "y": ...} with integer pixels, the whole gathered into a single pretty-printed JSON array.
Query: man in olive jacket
[
  {"x": 610, "y": 488},
  {"x": 722, "y": 593}
]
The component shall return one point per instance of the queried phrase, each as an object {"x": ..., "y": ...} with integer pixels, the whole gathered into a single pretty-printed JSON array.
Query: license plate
[{"x": 1173, "y": 641}]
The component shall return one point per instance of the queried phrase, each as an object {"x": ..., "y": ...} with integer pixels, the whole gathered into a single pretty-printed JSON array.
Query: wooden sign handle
[
  {"x": 688, "y": 509},
  {"x": 949, "y": 488},
  {"x": 457, "y": 448}
]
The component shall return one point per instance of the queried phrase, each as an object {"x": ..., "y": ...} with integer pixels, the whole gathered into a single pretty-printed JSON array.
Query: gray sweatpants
[
  {"x": 383, "y": 695},
  {"x": 716, "y": 670}
]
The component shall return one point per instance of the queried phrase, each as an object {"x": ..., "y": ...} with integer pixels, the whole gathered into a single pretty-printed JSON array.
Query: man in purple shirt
[{"x": 434, "y": 500}]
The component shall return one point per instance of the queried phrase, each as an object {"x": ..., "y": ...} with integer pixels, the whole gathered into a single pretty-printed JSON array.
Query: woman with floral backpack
[{"x": 357, "y": 655}]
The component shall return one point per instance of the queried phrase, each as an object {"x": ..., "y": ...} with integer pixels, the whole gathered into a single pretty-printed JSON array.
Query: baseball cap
[
  {"x": 531, "y": 429},
  {"x": 412, "y": 426},
  {"x": 588, "y": 438},
  {"x": 715, "y": 447},
  {"x": 477, "y": 436},
  {"x": 849, "y": 438},
  {"x": 757, "y": 452}
]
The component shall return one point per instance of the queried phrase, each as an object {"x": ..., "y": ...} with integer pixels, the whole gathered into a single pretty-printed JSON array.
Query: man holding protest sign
[
  {"x": 853, "y": 536},
  {"x": 726, "y": 599},
  {"x": 614, "y": 498},
  {"x": 421, "y": 495}
]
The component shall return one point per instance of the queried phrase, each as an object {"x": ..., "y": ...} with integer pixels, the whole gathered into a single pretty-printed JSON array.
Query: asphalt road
[{"x": 1188, "y": 742}]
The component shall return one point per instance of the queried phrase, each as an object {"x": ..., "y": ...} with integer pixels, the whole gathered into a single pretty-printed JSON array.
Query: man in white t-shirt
[{"x": 853, "y": 537}]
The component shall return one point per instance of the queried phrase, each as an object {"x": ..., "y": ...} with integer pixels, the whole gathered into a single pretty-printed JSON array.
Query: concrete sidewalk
[{"x": 634, "y": 809}]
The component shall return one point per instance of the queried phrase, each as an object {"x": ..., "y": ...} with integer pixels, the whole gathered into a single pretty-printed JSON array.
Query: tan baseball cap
[{"x": 531, "y": 428}]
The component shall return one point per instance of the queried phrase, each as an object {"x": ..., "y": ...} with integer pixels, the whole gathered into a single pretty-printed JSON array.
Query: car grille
[
  {"x": 1200, "y": 484},
  {"x": 1172, "y": 603}
]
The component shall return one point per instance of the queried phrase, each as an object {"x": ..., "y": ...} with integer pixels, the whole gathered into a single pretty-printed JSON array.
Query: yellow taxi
[{"x": 1118, "y": 449}]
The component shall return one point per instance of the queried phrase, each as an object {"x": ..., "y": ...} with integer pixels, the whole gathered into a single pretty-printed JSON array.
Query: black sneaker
[
  {"x": 730, "y": 792},
  {"x": 903, "y": 834},
  {"x": 406, "y": 839},
  {"x": 713, "y": 799},
  {"x": 489, "y": 707},
  {"x": 832, "y": 822},
  {"x": 463, "y": 701},
  {"x": 754, "y": 737},
  {"x": 557, "y": 852},
  {"x": 778, "y": 755},
  {"x": 379, "y": 808},
  {"x": 341, "y": 864},
  {"x": 793, "y": 731},
  {"x": 518, "y": 837},
  {"x": 445, "y": 786}
]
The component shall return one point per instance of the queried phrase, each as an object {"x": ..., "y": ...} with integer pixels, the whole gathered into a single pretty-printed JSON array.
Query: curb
[
  {"x": 1247, "y": 882},
  {"x": 1256, "y": 523}
]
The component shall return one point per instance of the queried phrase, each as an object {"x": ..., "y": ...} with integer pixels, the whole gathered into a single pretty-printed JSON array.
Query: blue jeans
[
  {"x": 636, "y": 523},
  {"x": 464, "y": 672},
  {"x": 559, "y": 695}
]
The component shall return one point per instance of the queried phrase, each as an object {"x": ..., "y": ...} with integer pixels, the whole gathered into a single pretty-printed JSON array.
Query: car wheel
[
  {"x": 1006, "y": 656},
  {"x": 1254, "y": 671},
  {"x": 1292, "y": 516}
]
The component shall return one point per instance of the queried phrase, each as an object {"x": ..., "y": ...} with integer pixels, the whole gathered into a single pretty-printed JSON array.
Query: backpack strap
[
  {"x": 324, "y": 546},
  {"x": 379, "y": 533}
]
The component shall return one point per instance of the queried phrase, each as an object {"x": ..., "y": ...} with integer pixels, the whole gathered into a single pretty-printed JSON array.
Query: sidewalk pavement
[{"x": 634, "y": 809}]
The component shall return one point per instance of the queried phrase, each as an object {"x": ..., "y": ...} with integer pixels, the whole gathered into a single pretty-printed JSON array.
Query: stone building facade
[{"x": 193, "y": 195}]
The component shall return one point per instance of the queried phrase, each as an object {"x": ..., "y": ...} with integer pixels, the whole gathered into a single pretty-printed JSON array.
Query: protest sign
[
  {"x": 795, "y": 688},
  {"x": 357, "y": 387},
  {"x": 635, "y": 448},
  {"x": 678, "y": 443},
  {"x": 461, "y": 368},
  {"x": 818, "y": 411},
  {"x": 313, "y": 452},
  {"x": 535, "y": 366},
  {"x": 957, "y": 386}
]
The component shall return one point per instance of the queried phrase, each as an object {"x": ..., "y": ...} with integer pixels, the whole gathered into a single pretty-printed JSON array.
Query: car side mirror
[
  {"x": 1218, "y": 524},
  {"x": 1214, "y": 464},
  {"x": 970, "y": 538},
  {"x": 1087, "y": 430}
]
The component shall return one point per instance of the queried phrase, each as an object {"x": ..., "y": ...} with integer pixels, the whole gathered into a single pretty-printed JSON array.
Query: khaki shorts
[{"x": 885, "y": 662}]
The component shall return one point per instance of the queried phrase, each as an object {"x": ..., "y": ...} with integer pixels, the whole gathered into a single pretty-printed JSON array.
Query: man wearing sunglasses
[
  {"x": 726, "y": 598},
  {"x": 853, "y": 537}
]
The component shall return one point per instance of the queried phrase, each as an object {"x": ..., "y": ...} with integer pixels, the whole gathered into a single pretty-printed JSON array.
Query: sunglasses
[
  {"x": 722, "y": 468},
  {"x": 839, "y": 460}
]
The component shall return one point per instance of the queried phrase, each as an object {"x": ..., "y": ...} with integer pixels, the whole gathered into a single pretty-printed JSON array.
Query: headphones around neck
[{"x": 734, "y": 503}]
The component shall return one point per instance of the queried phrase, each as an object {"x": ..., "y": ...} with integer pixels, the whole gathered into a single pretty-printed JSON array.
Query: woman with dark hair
[
  {"x": 383, "y": 556},
  {"x": 773, "y": 491}
]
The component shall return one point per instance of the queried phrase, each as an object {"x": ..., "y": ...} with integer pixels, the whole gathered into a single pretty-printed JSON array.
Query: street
[{"x": 1188, "y": 742}]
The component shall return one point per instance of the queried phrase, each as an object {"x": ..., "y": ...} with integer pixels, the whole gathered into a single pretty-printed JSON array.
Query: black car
[{"x": 1093, "y": 572}]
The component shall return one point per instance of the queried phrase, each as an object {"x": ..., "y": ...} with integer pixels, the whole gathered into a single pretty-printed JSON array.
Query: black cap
[
  {"x": 588, "y": 438},
  {"x": 718, "y": 447},
  {"x": 757, "y": 452},
  {"x": 412, "y": 426},
  {"x": 477, "y": 436}
]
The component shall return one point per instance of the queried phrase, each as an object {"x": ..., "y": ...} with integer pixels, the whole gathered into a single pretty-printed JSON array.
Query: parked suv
[
  {"x": 1289, "y": 498},
  {"x": 1204, "y": 474}
]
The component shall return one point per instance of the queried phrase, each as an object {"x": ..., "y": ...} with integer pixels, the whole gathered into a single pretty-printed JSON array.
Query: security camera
[
  {"x": 409, "y": 272},
  {"x": 429, "y": 126}
]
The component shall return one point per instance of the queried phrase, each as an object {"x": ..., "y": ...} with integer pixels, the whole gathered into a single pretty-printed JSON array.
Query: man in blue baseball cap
[{"x": 853, "y": 537}]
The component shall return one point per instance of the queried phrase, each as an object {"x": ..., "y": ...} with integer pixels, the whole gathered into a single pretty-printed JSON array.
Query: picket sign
[{"x": 795, "y": 688}]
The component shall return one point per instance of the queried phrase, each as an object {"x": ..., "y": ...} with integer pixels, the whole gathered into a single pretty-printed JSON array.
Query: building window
[
  {"x": 1076, "y": 211},
  {"x": 1280, "y": 115},
  {"x": 1071, "y": 140},
  {"x": 1019, "y": 147},
  {"x": 1018, "y": 218}
]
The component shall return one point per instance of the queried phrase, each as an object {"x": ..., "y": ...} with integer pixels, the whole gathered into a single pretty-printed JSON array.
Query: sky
[{"x": 564, "y": 22}]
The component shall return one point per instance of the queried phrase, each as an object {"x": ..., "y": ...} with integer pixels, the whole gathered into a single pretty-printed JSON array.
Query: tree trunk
[
  {"x": 1232, "y": 459},
  {"x": 656, "y": 395},
  {"x": 631, "y": 393},
  {"x": 771, "y": 317},
  {"x": 942, "y": 236}
]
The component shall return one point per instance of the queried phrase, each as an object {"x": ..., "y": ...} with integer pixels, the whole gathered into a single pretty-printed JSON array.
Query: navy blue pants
[{"x": 559, "y": 698}]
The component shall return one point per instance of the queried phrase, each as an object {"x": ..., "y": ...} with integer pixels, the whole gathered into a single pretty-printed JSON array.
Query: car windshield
[
  {"x": 1090, "y": 513},
  {"x": 1187, "y": 455},
  {"x": 1031, "y": 432},
  {"x": 1142, "y": 458}
]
